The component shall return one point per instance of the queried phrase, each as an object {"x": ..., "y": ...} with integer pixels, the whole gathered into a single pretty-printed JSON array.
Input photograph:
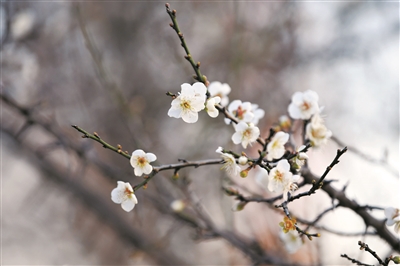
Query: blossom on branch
[
  {"x": 189, "y": 102},
  {"x": 140, "y": 161},
  {"x": 230, "y": 165},
  {"x": 288, "y": 224},
  {"x": 303, "y": 105},
  {"x": 276, "y": 147},
  {"x": 216, "y": 88},
  {"x": 281, "y": 180},
  {"x": 123, "y": 194},
  {"x": 245, "y": 134},
  {"x": 393, "y": 218},
  {"x": 210, "y": 106},
  {"x": 241, "y": 111},
  {"x": 317, "y": 132}
]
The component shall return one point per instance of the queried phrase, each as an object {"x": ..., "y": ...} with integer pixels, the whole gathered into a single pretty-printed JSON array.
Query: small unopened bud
[
  {"x": 309, "y": 237},
  {"x": 175, "y": 176},
  {"x": 96, "y": 135},
  {"x": 145, "y": 186},
  {"x": 238, "y": 206},
  {"x": 396, "y": 259},
  {"x": 177, "y": 205},
  {"x": 318, "y": 235},
  {"x": 244, "y": 173},
  {"x": 243, "y": 160}
]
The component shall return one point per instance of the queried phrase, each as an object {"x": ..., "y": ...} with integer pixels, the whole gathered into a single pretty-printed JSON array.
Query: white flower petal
[{"x": 128, "y": 205}]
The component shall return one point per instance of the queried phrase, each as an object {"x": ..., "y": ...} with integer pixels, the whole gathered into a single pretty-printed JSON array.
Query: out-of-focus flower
[
  {"x": 303, "y": 105},
  {"x": 230, "y": 165},
  {"x": 216, "y": 88},
  {"x": 300, "y": 158},
  {"x": 210, "y": 106},
  {"x": 242, "y": 111},
  {"x": 288, "y": 224},
  {"x": 281, "y": 180},
  {"x": 258, "y": 113},
  {"x": 177, "y": 205},
  {"x": 276, "y": 147},
  {"x": 393, "y": 218},
  {"x": 123, "y": 194},
  {"x": 291, "y": 240},
  {"x": 140, "y": 161},
  {"x": 317, "y": 132},
  {"x": 189, "y": 102},
  {"x": 284, "y": 122},
  {"x": 245, "y": 134}
]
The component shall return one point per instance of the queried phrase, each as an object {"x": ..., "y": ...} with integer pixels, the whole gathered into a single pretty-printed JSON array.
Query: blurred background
[{"x": 106, "y": 66}]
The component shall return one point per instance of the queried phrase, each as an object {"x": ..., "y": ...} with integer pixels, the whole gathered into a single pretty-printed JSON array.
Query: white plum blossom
[
  {"x": 123, "y": 194},
  {"x": 230, "y": 165},
  {"x": 317, "y": 132},
  {"x": 216, "y": 88},
  {"x": 393, "y": 218},
  {"x": 258, "y": 113},
  {"x": 210, "y": 106},
  {"x": 189, "y": 102},
  {"x": 276, "y": 147},
  {"x": 291, "y": 240},
  {"x": 242, "y": 111},
  {"x": 140, "y": 161},
  {"x": 281, "y": 180},
  {"x": 303, "y": 105},
  {"x": 245, "y": 134}
]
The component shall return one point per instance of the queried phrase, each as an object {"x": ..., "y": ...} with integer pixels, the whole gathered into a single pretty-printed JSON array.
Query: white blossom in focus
[
  {"x": 242, "y": 111},
  {"x": 281, "y": 180},
  {"x": 123, "y": 194},
  {"x": 291, "y": 240},
  {"x": 189, "y": 102},
  {"x": 216, "y": 88},
  {"x": 140, "y": 161},
  {"x": 303, "y": 105},
  {"x": 317, "y": 132},
  {"x": 245, "y": 134},
  {"x": 210, "y": 106},
  {"x": 276, "y": 147},
  {"x": 393, "y": 218},
  {"x": 230, "y": 165}
]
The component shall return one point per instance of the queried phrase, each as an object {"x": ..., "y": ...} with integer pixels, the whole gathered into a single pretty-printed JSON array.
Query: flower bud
[
  {"x": 238, "y": 206},
  {"x": 243, "y": 160},
  {"x": 244, "y": 173},
  {"x": 396, "y": 259},
  {"x": 175, "y": 176},
  {"x": 177, "y": 205}
]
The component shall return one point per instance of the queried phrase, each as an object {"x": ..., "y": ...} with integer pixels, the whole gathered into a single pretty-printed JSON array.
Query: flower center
[
  {"x": 305, "y": 106},
  {"x": 278, "y": 176},
  {"x": 141, "y": 161},
  {"x": 185, "y": 105},
  {"x": 239, "y": 112},
  {"x": 247, "y": 133}
]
